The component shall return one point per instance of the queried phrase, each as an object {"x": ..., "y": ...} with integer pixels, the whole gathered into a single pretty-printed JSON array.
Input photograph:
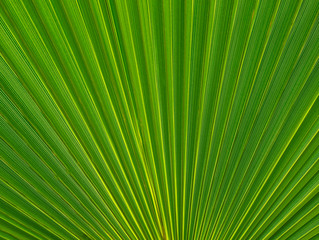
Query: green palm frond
[{"x": 159, "y": 119}]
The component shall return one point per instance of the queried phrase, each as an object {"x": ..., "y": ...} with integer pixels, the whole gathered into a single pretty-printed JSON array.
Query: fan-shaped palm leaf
[{"x": 159, "y": 119}]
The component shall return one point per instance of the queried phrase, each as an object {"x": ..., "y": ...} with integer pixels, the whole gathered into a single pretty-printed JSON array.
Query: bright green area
[{"x": 159, "y": 119}]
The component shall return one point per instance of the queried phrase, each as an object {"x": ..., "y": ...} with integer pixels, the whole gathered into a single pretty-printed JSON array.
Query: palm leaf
[{"x": 155, "y": 119}]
